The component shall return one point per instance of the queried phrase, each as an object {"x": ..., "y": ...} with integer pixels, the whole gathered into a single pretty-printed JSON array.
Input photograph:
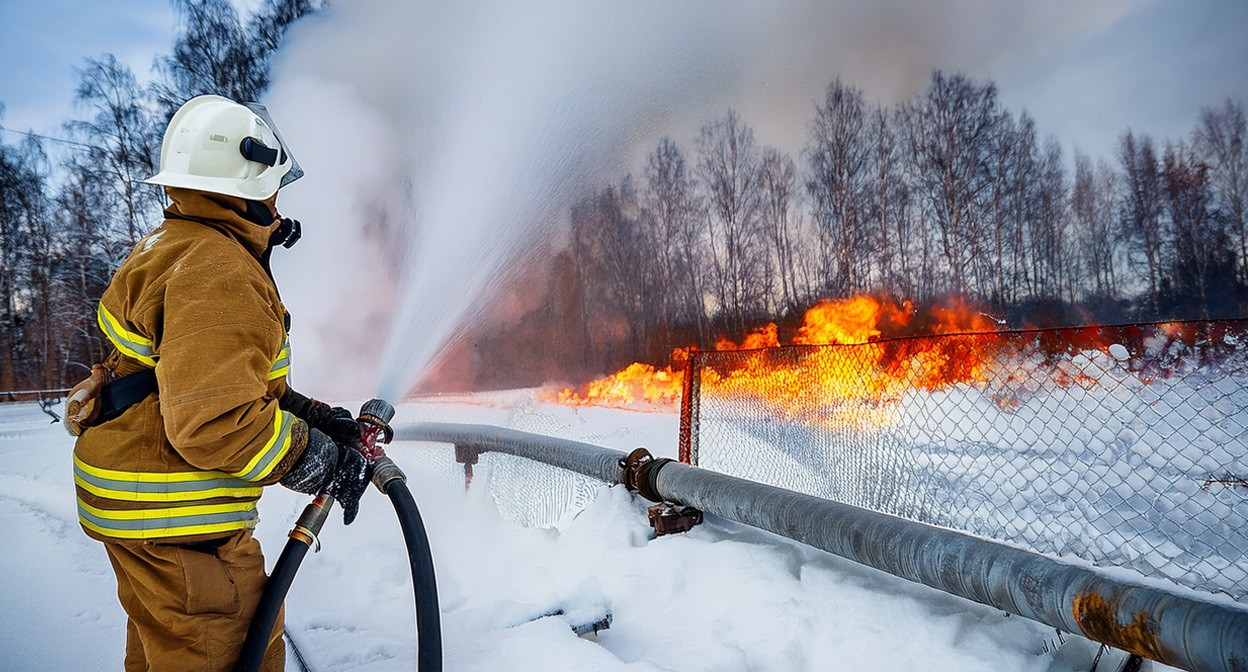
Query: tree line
[
  {"x": 948, "y": 194},
  {"x": 66, "y": 226},
  {"x": 945, "y": 194}
]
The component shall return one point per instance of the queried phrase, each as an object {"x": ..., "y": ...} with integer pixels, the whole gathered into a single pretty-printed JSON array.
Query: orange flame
[
  {"x": 635, "y": 383},
  {"x": 826, "y": 375}
]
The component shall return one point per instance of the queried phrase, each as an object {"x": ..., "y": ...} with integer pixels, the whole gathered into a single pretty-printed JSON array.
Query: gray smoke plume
[{"x": 440, "y": 138}]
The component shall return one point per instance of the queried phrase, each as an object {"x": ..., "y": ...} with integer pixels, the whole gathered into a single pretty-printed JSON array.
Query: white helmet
[{"x": 215, "y": 144}]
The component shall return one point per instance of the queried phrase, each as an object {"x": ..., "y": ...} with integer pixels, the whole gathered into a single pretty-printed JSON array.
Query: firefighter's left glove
[
  {"x": 328, "y": 466},
  {"x": 349, "y": 482}
]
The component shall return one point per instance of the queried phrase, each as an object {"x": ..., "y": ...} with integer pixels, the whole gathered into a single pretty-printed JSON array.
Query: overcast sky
[{"x": 1085, "y": 75}]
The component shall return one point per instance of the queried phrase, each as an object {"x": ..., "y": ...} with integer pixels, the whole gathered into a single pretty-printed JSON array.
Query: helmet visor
[{"x": 295, "y": 171}]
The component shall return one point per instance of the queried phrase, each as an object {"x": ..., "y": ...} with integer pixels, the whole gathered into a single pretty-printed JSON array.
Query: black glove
[
  {"x": 337, "y": 422},
  {"x": 349, "y": 482},
  {"x": 331, "y": 467}
]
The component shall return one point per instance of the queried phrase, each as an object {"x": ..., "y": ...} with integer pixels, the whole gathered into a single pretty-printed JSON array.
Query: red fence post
[{"x": 688, "y": 413}]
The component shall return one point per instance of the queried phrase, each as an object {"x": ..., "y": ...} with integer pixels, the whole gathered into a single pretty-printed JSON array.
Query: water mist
[{"x": 442, "y": 139}]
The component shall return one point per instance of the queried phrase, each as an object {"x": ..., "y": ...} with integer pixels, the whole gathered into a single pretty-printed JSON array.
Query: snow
[
  {"x": 721, "y": 597},
  {"x": 1118, "y": 468}
]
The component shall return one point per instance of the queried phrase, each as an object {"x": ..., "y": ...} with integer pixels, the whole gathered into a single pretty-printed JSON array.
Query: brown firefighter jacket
[{"x": 194, "y": 302}]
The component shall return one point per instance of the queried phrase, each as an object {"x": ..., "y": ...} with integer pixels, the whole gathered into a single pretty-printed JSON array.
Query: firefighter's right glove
[
  {"x": 327, "y": 466},
  {"x": 336, "y": 421}
]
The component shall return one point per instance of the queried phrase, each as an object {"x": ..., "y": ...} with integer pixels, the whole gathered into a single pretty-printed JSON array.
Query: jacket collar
[{"x": 249, "y": 222}]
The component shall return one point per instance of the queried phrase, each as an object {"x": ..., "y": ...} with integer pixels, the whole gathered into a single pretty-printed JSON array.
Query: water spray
[{"x": 375, "y": 430}]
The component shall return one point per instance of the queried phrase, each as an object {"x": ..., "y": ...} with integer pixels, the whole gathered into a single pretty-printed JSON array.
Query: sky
[{"x": 1085, "y": 74}]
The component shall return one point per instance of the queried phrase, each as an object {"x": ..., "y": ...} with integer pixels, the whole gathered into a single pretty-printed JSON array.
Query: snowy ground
[
  {"x": 722, "y": 597},
  {"x": 1116, "y": 465}
]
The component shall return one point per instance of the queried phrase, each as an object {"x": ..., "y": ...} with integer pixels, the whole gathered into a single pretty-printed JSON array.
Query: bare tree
[
  {"x": 615, "y": 275},
  {"x": 728, "y": 163},
  {"x": 949, "y": 137},
  {"x": 97, "y": 248},
  {"x": 779, "y": 181},
  {"x": 1221, "y": 139},
  {"x": 23, "y": 273},
  {"x": 1050, "y": 260},
  {"x": 838, "y": 156},
  {"x": 219, "y": 52},
  {"x": 213, "y": 54},
  {"x": 673, "y": 228},
  {"x": 889, "y": 201},
  {"x": 1141, "y": 208},
  {"x": 124, "y": 141},
  {"x": 1201, "y": 260},
  {"x": 1009, "y": 165},
  {"x": 1093, "y": 207}
]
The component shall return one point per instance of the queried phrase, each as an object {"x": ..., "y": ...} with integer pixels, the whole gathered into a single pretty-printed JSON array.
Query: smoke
[{"x": 442, "y": 140}]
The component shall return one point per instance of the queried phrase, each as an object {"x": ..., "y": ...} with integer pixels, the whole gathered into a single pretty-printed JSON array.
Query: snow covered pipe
[{"x": 1175, "y": 628}]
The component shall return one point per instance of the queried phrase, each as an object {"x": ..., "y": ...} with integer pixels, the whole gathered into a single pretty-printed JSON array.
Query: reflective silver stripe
[
  {"x": 225, "y": 486},
  {"x": 273, "y": 451},
  {"x": 170, "y": 524},
  {"x": 282, "y": 365},
  {"x": 130, "y": 344}
]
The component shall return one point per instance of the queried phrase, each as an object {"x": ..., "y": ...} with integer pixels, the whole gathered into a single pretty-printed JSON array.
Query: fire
[
  {"x": 636, "y": 383},
  {"x": 782, "y": 377},
  {"x": 847, "y": 322}
]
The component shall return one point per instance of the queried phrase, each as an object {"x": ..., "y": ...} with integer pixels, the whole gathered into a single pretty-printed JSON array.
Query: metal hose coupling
[
  {"x": 385, "y": 472},
  {"x": 312, "y": 520}
]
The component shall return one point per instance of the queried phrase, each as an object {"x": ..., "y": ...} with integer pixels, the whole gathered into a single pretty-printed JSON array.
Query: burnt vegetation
[{"x": 945, "y": 195}]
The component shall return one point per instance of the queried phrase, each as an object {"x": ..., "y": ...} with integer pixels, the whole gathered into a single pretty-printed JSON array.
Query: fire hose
[{"x": 374, "y": 422}]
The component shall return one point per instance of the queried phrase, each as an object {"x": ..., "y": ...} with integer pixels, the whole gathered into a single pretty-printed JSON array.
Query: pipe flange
[{"x": 639, "y": 472}]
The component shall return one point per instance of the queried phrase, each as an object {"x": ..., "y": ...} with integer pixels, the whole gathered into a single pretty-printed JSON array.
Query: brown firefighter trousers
[{"x": 189, "y": 606}]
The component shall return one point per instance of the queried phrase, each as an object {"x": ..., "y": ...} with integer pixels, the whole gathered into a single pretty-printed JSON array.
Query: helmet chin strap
[{"x": 260, "y": 213}]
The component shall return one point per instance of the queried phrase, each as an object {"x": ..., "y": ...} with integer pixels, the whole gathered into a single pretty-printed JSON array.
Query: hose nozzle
[
  {"x": 374, "y": 421},
  {"x": 375, "y": 428},
  {"x": 377, "y": 411}
]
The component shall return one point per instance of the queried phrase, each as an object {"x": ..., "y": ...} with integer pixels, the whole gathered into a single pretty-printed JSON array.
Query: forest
[{"x": 947, "y": 196}]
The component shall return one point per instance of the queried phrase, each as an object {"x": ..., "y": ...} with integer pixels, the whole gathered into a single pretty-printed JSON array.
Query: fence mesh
[
  {"x": 527, "y": 492},
  {"x": 1123, "y": 446}
]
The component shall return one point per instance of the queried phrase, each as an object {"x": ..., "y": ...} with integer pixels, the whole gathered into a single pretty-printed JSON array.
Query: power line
[{"x": 51, "y": 138}]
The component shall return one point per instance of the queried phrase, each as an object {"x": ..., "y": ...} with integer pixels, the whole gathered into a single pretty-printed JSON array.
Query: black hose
[
  {"x": 275, "y": 590},
  {"x": 424, "y": 583}
]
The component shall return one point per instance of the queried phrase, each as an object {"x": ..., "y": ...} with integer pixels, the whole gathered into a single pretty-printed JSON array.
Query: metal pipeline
[
  {"x": 374, "y": 422},
  {"x": 1175, "y": 628}
]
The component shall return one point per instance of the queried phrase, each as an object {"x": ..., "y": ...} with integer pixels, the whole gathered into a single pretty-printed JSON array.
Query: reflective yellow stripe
[
  {"x": 281, "y": 365},
  {"x": 274, "y": 450},
  {"x": 168, "y": 522},
  {"x": 135, "y": 486},
  {"x": 129, "y": 343}
]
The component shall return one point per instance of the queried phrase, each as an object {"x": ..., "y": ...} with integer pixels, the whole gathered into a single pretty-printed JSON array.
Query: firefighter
[{"x": 190, "y": 416}]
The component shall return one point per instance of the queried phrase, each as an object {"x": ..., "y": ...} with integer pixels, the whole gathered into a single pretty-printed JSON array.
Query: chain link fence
[
  {"x": 526, "y": 492},
  {"x": 1123, "y": 446}
]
